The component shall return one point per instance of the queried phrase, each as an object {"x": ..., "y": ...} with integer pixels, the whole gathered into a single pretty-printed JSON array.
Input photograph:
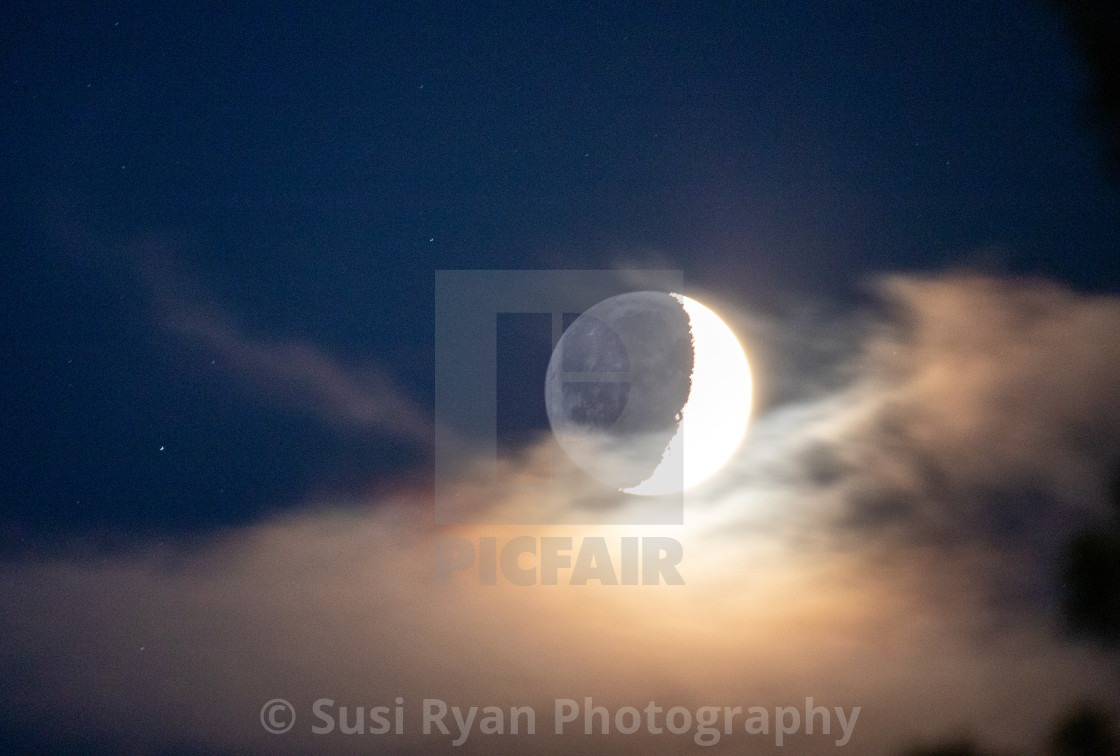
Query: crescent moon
[{"x": 714, "y": 417}]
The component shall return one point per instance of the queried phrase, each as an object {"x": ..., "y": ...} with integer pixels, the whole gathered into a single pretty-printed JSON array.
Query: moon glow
[
  {"x": 648, "y": 392},
  {"x": 714, "y": 418}
]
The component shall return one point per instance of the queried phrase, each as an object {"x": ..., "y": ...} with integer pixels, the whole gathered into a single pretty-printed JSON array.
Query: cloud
[
  {"x": 884, "y": 542},
  {"x": 290, "y": 373},
  {"x": 297, "y": 374},
  {"x": 985, "y": 404}
]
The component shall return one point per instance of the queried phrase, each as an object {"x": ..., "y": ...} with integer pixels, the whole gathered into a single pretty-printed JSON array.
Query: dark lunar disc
[{"x": 616, "y": 384}]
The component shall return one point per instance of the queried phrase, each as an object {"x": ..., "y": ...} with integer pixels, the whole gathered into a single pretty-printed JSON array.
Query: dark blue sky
[{"x": 306, "y": 171}]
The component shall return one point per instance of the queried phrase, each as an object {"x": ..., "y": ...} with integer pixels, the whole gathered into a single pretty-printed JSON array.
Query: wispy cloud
[
  {"x": 291, "y": 373},
  {"x": 299, "y": 375}
]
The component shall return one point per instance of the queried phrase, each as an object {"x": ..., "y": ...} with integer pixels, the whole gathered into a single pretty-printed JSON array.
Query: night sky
[{"x": 223, "y": 224}]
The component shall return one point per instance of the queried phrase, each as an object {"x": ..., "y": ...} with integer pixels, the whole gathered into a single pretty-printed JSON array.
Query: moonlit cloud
[{"x": 886, "y": 541}]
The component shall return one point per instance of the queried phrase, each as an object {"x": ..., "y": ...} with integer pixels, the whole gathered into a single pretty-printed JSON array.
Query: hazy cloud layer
[{"x": 886, "y": 543}]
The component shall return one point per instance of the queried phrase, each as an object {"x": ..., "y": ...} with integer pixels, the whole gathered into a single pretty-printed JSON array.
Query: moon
[
  {"x": 648, "y": 392},
  {"x": 714, "y": 418}
]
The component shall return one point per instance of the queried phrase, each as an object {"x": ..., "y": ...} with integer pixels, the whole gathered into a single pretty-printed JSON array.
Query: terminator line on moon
[{"x": 648, "y": 392}]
